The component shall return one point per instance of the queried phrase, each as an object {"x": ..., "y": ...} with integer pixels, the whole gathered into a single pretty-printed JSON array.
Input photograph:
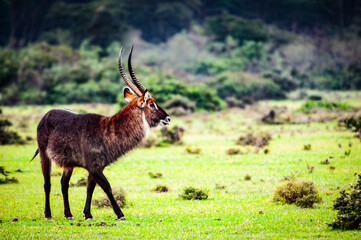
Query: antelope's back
[{"x": 61, "y": 134}]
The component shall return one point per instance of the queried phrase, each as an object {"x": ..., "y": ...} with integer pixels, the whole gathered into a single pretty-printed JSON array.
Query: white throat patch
[{"x": 146, "y": 125}]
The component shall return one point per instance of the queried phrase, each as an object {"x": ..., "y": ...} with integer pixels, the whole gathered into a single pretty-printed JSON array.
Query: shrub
[
  {"x": 307, "y": 147},
  {"x": 234, "y": 102},
  {"x": 286, "y": 83},
  {"x": 308, "y": 105},
  {"x": 155, "y": 175},
  {"x": 149, "y": 142},
  {"x": 172, "y": 135},
  {"x": 191, "y": 150},
  {"x": 81, "y": 182},
  {"x": 247, "y": 177},
  {"x": 352, "y": 122},
  {"x": 310, "y": 168},
  {"x": 160, "y": 188},
  {"x": 233, "y": 151},
  {"x": 220, "y": 186},
  {"x": 191, "y": 193},
  {"x": 179, "y": 105},
  {"x": 325, "y": 162},
  {"x": 259, "y": 140},
  {"x": 119, "y": 195},
  {"x": 302, "y": 193},
  {"x": 5, "y": 178},
  {"x": 349, "y": 208},
  {"x": 7, "y": 136},
  {"x": 239, "y": 28},
  {"x": 210, "y": 67}
]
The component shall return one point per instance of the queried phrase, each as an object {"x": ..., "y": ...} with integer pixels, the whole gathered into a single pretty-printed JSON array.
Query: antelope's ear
[
  {"x": 143, "y": 100},
  {"x": 128, "y": 95}
]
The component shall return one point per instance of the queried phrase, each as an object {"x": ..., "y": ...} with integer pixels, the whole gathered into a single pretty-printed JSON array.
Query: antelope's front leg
[{"x": 102, "y": 181}]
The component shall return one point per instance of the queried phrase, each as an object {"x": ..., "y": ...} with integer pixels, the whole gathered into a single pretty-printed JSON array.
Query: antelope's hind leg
[
  {"x": 46, "y": 169},
  {"x": 67, "y": 172}
]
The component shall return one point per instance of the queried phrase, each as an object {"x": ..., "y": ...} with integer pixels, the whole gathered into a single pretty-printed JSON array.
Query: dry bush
[
  {"x": 172, "y": 135},
  {"x": 220, "y": 186},
  {"x": 233, "y": 151},
  {"x": 351, "y": 121},
  {"x": 233, "y": 102},
  {"x": 270, "y": 118},
  {"x": 179, "y": 106},
  {"x": 325, "y": 162},
  {"x": 149, "y": 142},
  {"x": 259, "y": 140},
  {"x": 310, "y": 168},
  {"x": 247, "y": 177},
  {"x": 191, "y": 150},
  {"x": 307, "y": 147},
  {"x": 191, "y": 193},
  {"x": 160, "y": 188},
  {"x": 119, "y": 195},
  {"x": 302, "y": 193}
]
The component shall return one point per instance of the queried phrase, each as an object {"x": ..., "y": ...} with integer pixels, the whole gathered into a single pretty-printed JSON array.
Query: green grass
[{"x": 230, "y": 213}]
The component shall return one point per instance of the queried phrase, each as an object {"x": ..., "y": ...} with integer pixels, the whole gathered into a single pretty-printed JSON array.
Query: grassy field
[{"x": 242, "y": 210}]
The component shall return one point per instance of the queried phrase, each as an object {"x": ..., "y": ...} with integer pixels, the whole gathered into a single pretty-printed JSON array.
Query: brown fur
[{"x": 92, "y": 141}]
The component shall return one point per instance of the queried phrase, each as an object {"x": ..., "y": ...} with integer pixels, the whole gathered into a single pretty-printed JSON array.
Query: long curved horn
[
  {"x": 132, "y": 74},
  {"x": 124, "y": 76}
]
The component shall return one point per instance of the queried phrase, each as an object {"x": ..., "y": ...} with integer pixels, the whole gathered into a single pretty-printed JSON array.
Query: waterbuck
[{"x": 93, "y": 141}]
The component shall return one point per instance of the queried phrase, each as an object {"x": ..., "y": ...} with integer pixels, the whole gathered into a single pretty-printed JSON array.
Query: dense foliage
[
  {"x": 349, "y": 208},
  {"x": 191, "y": 55}
]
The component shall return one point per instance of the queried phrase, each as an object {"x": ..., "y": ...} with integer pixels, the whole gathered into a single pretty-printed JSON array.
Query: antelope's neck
[{"x": 125, "y": 130}]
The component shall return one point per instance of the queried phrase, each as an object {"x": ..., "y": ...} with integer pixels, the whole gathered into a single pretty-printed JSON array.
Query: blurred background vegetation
[{"x": 191, "y": 54}]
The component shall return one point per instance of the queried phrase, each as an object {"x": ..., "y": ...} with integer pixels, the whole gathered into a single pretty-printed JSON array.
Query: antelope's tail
[{"x": 36, "y": 153}]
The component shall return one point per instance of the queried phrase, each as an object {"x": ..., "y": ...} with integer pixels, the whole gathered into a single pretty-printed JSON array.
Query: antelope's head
[{"x": 152, "y": 114}]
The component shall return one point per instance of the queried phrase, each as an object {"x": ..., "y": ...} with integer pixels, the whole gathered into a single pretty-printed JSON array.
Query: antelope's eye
[{"x": 152, "y": 105}]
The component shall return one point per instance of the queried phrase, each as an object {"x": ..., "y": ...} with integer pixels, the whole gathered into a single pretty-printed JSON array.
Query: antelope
[{"x": 93, "y": 141}]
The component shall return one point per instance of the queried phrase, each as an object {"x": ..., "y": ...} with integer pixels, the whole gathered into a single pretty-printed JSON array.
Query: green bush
[
  {"x": 239, "y": 28},
  {"x": 302, "y": 193},
  {"x": 155, "y": 175},
  {"x": 308, "y": 105},
  {"x": 349, "y": 208},
  {"x": 287, "y": 84},
  {"x": 211, "y": 67},
  {"x": 191, "y": 193},
  {"x": 6, "y": 178},
  {"x": 8, "y": 136},
  {"x": 160, "y": 188},
  {"x": 242, "y": 87}
]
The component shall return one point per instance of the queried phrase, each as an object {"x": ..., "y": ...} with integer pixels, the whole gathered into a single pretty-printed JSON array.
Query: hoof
[
  {"x": 89, "y": 219},
  {"x": 47, "y": 218},
  {"x": 121, "y": 218},
  {"x": 70, "y": 218}
]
